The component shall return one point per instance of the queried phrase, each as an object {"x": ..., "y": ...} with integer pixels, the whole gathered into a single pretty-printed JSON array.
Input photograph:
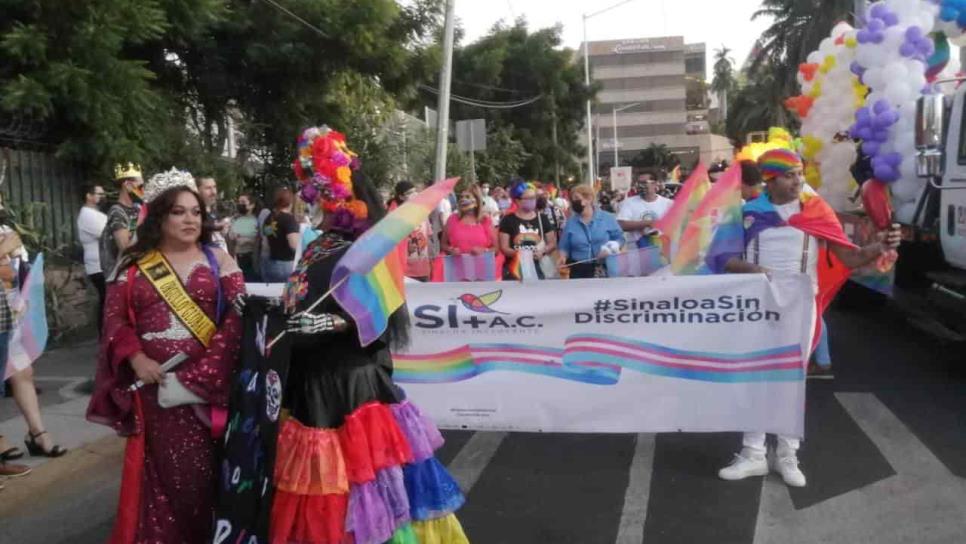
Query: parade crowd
[{"x": 330, "y": 449}]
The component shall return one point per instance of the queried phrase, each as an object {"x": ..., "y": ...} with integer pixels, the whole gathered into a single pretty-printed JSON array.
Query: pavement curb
[{"x": 27, "y": 491}]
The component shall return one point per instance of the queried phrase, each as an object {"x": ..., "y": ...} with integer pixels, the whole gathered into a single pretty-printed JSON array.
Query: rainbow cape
[
  {"x": 368, "y": 280},
  {"x": 717, "y": 218},
  {"x": 673, "y": 223},
  {"x": 817, "y": 219}
]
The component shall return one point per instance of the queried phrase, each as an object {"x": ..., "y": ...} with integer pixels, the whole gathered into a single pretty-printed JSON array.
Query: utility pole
[
  {"x": 445, "y": 80},
  {"x": 556, "y": 149}
]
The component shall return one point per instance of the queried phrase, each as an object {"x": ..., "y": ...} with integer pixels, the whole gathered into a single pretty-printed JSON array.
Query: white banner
[{"x": 658, "y": 354}]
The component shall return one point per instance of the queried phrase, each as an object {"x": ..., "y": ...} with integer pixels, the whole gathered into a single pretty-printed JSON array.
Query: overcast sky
[{"x": 714, "y": 22}]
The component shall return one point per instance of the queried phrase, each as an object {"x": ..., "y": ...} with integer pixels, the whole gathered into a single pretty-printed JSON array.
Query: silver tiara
[{"x": 163, "y": 181}]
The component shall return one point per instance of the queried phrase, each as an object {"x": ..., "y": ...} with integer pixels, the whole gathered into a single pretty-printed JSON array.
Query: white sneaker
[
  {"x": 787, "y": 466},
  {"x": 745, "y": 464}
]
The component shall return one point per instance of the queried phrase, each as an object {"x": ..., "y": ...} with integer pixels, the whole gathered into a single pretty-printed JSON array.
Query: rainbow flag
[
  {"x": 469, "y": 267},
  {"x": 717, "y": 217},
  {"x": 675, "y": 174},
  {"x": 634, "y": 263},
  {"x": 28, "y": 340},
  {"x": 522, "y": 266},
  {"x": 368, "y": 280},
  {"x": 673, "y": 223}
]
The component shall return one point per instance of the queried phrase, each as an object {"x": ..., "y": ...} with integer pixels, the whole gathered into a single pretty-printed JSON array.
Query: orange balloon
[{"x": 808, "y": 70}]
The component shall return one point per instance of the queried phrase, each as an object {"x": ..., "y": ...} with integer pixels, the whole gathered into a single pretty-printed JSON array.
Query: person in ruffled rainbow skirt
[{"x": 354, "y": 461}]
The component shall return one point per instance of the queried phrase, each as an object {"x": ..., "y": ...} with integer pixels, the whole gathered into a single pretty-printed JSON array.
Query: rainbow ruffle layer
[{"x": 372, "y": 480}]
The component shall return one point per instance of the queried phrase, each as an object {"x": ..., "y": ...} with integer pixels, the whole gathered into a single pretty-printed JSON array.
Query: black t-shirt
[
  {"x": 276, "y": 230},
  {"x": 524, "y": 232}
]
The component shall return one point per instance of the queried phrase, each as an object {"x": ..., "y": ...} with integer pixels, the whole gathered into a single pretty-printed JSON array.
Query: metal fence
[{"x": 37, "y": 177}]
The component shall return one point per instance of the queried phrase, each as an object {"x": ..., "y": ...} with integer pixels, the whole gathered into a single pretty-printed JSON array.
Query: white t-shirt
[
  {"x": 783, "y": 249},
  {"x": 638, "y": 209},
  {"x": 90, "y": 225}
]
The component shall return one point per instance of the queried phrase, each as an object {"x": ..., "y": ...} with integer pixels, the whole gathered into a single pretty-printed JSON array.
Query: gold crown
[{"x": 127, "y": 170}]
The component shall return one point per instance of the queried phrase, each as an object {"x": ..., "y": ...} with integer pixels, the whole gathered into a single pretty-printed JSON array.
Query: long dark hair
[
  {"x": 364, "y": 190},
  {"x": 149, "y": 232}
]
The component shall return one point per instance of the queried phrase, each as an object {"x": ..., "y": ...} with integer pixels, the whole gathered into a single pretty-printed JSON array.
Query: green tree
[
  {"x": 723, "y": 83},
  {"x": 797, "y": 29},
  {"x": 504, "y": 157},
  {"x": 510, "y": 64},
  {"x": 655, "y": 156}
]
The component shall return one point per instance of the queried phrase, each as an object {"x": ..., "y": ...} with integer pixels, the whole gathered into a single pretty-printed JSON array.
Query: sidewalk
[{"x": 59, "y": 373}]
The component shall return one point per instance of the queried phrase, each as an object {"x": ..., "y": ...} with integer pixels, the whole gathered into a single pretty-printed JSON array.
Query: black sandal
[
  {"x": 37, "y": 451},
  {"x": 11, "y": 454}
]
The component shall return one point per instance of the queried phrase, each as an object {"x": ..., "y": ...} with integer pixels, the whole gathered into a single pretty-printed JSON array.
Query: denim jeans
[
  {"x": 277, "y": 271},
  {"x": 823, "y": 357}
]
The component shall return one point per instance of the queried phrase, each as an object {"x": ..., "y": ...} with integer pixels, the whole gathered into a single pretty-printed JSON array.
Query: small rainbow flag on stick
[
  {"x": 718, "y": 217},
  {"x": 28, "y": 339},
  {"x": 368, "y": 280},
  {"x": 673, "y": 223}
]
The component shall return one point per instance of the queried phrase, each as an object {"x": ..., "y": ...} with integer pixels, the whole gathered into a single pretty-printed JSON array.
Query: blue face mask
[
  {"x": 528, "y": 204},
  {"x": 504, "y": 203}
]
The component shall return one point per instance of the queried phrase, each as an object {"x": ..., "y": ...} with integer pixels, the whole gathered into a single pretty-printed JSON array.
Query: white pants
[{"x": 755, "y": 443}]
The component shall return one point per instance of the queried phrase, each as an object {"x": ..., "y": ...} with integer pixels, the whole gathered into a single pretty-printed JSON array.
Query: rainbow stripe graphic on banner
[
  {"x": 368, "y": 280},
  {"x": 28, "y": 340},
  {"x": 674, "y": 222},
  {"x": 717, "y": 218},
  {"x": 599, "y": 359}
]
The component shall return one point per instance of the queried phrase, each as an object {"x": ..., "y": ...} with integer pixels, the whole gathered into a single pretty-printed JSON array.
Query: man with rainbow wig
[{"x": 790, "y": 229}]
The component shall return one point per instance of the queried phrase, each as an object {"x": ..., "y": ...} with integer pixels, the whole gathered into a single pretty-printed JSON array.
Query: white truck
[{"x": 929, "y": 279}]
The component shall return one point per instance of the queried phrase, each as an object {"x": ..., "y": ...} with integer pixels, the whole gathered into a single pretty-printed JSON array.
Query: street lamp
[
  {"x": 590, "y": 151},
  {"x": 617, "y": 160}
]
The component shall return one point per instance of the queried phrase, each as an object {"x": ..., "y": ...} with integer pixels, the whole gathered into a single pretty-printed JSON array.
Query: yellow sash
[{"x": 158, "y": 271}]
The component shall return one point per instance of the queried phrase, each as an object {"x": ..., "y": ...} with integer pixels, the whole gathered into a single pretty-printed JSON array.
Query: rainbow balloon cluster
[
  {"x": 891, "y": 58},
  {"x": 831, "y": 93}
]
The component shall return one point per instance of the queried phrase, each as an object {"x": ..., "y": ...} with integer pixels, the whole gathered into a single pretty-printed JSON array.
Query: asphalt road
[{"x": 885, "y": 455}]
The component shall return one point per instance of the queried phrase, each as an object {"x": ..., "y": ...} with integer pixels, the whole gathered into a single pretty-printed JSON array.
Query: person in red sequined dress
[{"x": 172, "y": 422}]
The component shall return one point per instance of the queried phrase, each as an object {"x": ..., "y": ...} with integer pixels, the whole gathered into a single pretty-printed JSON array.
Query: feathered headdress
[{"x": 324, "y": 169}]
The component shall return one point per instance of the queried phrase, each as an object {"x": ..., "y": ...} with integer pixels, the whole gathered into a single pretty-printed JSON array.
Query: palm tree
[
  {"x": 724, "y": 78},
  {"x": 798, "y": 27},
  {"x": 759, "y": 104}
]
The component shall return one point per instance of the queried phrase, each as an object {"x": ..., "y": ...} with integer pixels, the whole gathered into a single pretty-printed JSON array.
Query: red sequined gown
[{"x": 179, "y": 471}]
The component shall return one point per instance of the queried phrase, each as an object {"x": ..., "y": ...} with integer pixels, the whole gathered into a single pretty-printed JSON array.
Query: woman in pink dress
[
  {"x": 171, "y": 294},
  {"x": 470, "y": 231}
]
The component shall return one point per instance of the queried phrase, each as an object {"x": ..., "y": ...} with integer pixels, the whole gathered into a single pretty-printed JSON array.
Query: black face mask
[
  {"x": 243, "y": 209},
  {"x": 104, "y": 206},
  {"x": 577, "y": 206},
  {"x": 542, "y": 203}
]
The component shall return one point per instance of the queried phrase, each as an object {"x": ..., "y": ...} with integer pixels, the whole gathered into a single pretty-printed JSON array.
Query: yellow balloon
[{"x": 851, "y": 42}]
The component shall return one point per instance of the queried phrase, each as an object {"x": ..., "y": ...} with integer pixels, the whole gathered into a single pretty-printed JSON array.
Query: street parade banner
[{"x": 653, "y": 354}]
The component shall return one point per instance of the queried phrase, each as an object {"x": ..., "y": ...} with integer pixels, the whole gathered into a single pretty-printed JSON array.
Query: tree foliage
[
  {"x": 655, "y": 156},
  {"x": 797, "y": 29},
  {"x": 162, "y": 81},
  {"x": 512, "y": 63}
]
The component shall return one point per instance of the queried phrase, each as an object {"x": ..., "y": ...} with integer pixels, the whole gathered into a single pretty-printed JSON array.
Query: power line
[
  {"x": 486, "y": 104},
  {"x": 286, "y": 11}
]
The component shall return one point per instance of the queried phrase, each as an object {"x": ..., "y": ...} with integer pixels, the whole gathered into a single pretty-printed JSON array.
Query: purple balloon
[
  {"x": 908, "y": 49},
  {"x": 914, "y": 34},
  {"x": 863, "y": 115},
  {"x": 864, "y": 36},
  {"x": 865, "y": 133},
  {"x": 890, "y": 19},
  {"x": 881, "y": 136},
  {"x": 876, "y": 25},
  {"x": 878, "y": 37},
  {"x": 878, "y": 10},
  {"x": 887, "y": 174},
  {"x": 881, "y": 106},
  {"x": 870, "y": 148},
  {"x": 893, "y": 159},
  {"x": 856, "y": 68}
]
